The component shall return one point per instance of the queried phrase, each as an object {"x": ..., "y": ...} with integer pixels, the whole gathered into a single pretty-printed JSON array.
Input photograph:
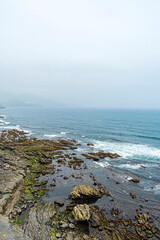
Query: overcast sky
[{"x": 86, "y": 53}]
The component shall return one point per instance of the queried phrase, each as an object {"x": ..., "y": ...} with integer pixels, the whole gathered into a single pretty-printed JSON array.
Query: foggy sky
[{"x": 87, "y": 53}]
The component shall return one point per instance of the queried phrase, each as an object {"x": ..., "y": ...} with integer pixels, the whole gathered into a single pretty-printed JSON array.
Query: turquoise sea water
[{"x": 134, "y": 134}]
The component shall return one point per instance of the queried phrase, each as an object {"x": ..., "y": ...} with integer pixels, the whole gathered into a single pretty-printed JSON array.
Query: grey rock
[
  {"x": 63, "y": 225},
  {"x": 11, "y": 231},
  {"x": 58, "y": 235},
  {"x": 81, "y": 212},
  {"x": 70, "y": 236},
  {"x": 71, "y": 225},
  {"x": 37, "y": 227},
  {"x": 70, "y": 219}
]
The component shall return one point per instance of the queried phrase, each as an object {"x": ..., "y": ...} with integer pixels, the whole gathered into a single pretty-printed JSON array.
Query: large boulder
[
  {"x": 81, "y": 212},
  {"x": 83, "y": 191}
]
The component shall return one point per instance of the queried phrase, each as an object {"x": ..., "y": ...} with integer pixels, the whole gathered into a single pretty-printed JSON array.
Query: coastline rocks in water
[
  {"x": 81, "y": 212},
  {"x": 91, "y": 156},
  {"x": 135, "y": 180},
  {"x": 90, "y": 144},
  {"x": 83, "y": 191},
  {"x": 102, "y": 155},
  {"x": 2, "y": 122},
  {"x": 142, "y": 167}
]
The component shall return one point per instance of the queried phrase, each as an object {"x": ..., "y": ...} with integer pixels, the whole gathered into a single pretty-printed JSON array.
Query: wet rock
[
  {"x": 102, "y": 191},
  {"x": 135, "y": 180},
  {"x": 65, "y": 178},
  {"x": 90, "y": 144},
  {"x": 158, "y": 235},
  {"x": 63, "y": 225},
  {"x": 70, "y": 219},
  {"x": 72, "y": 226},
  {"x": 58, "y": 235},
  {"x": 59, "y": 203},
  {"x": 39, "y": 215},
  {"x": 149, "y": 234},
  {"x": 148, "y": 225},
  {"x": 132, "y": 195},
  {"x": 52, "y": 184},
  {"x": 139, "y": 231},
  {"x": 70, "y": 236},
  {"x": 103, "y": 155},
  {"x": 142, "y": 167},
  {"x": 95, "y": 158},
  {"x": 83, "y": 191},
  {"x": 146, "y": 217},
  {"x": 81, "y": 212},
  {"x": 91, "y": 156},
  {"x": 95, "y": 220},
  {"x": 45, "y": 160}
]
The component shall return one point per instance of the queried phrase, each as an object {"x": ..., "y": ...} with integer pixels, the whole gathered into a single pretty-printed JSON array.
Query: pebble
[
  {"x": 58, "y": 235},
  {"x": 71, "y": 225},
  {"x": 64, "y": 225},
  {"x": 70, "y": 219}
]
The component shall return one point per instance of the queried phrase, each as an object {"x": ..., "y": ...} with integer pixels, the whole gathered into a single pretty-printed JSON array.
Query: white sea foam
[
  {"x": 136, "y": 166},
  {"x": 17, "y": 127},
  {"x": 127, "y": 149},
  {"x": 50, "y": 135},
  {"x": 64, "y": 133},
  {"x": 128, "y": 177},
  {"x": 79, "y": 149},
  {"x": 27, "y": 131},
  {"x": 7, "y": 123},
  {"x": 4, "y": 123},
  {"x": 155, "y": 189},
  {"x": 103, "y": 164}
]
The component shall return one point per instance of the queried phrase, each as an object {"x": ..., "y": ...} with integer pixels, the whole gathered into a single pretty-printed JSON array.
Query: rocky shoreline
[{"x": 32, "y": 169}]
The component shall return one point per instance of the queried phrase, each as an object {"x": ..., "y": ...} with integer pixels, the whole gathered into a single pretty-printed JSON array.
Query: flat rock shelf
[{"x": 49, "y": 191}]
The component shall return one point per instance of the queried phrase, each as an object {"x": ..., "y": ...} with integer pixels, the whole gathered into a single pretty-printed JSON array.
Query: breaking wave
[
  {"x": 103, "y": 164},
  {"x": 155, "y": 189},
  {"x": 136, "y": 166},
  {"x": 17, "y": 127},
  {"x": 4, "y": 123},
  {"x": 128, "y": 149},
  {"x": 50, "y": 135},
  {"x": 64, "y": 133}
]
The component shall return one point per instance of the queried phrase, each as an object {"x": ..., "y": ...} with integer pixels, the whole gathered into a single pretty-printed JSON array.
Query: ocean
[{"x": 133, "y": 134}]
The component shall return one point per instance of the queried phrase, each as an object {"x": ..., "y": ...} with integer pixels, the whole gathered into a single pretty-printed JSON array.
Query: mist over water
[{"x": 52, "y": 56}]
